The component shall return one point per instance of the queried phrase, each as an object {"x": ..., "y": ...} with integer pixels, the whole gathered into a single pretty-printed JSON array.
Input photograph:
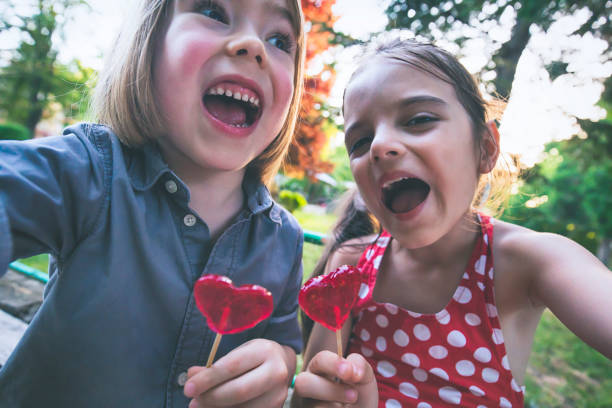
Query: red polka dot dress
[{"x": 455, "y": 357}]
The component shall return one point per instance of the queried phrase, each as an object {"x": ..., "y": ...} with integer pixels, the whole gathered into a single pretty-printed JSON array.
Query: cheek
[
  {"x": 185, "y": 54},
  {"x": 283, "y": 76}
]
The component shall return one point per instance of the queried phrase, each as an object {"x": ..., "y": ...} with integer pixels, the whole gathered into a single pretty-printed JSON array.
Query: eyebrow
[
  {"x": 282, "y": 11},
  {"x": 412, "y": 100}
]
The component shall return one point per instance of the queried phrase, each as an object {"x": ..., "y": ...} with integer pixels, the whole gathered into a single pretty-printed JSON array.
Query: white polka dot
[
  {"x": 456, "y": 338},
  {"x": 443, "y": 317},
  {"x": 491, "y": 310},
  {"x": 369, "y": 254},
  {"x": 401, "y": 338},
  {"x": 413, "y": 314},
  {"x": 382, "y": 320},
  {"x": 371, "y": 308},
  {"x": 391, "y": 403},
  {"x": 505, "y": 363},
  {"x": 491, "y": 273},
  {"x": 421, "y": 332},
  {"x": 391, "y": 308},
  {"x": 481, "y": 285},
  {"x": 419, "y": 374},
  {"x": 476, "y": 391},
  {"x": 490, "y": 375},
  {"x": 409, "y": 390},
  {"x": 480, "y": 264},
  {"x": 383, "y": 242},
  {"x": 465, "y": 275},
  {"x": 465, "y": 368},
  {"x": 411, "y": 359},
  {"x": 366, "y": 351},
  {"x": 486, "y": 239},
  {"x": 365, "y": 335},
  {"x": 376, "y": 262},
  {"x": 363, "y": 290},
  {"x": 381, "y": 343},
  {"x": 450, "y": 395},
  {"x": 462, "y": 295},
  {"x": 438, "y": 352},
  {"x": 438, "y": 372},
  {"x": 423, "y": 405},
  {"x": 498, "y": 337},
  {"x": 481, "y": 406},
  {"x": 386, "y": 369},
  {"x": 504, "y": 403},
  {"x": 515, "y": 385},
  {"x": 472, "y": 319},
  {"x": 482, "y": 354}
]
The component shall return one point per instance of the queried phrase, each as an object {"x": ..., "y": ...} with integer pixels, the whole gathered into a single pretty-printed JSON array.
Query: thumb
[{"x": 362, "y": 370}]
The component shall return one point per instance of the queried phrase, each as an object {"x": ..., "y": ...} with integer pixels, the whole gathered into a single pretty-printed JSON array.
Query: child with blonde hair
[
  {"x": 196, "y": 110},
  {"x": 450, "y": 298}
]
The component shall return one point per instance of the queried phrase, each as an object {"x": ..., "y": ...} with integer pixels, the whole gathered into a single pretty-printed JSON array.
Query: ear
[{"x": 489, "y": 148}]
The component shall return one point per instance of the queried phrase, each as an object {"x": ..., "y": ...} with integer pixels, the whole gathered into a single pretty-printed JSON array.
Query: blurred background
[{"x": 549, "y": 63}]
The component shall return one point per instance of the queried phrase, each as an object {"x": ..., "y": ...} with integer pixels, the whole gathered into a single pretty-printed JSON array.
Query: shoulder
[{"x": 350, "y": 252}]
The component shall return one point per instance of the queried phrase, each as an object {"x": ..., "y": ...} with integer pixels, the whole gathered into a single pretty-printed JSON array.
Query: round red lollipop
[
  {"x": 328, "y": 299},
  {"x": 229, "y": 309}
]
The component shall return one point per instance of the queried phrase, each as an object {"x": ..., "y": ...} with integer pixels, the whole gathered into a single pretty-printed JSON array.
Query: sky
[{"x": 539, "y": 110}]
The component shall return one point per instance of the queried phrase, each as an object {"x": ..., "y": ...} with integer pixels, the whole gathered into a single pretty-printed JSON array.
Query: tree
[
  {"x": 424, "y": 17},
  {"x": 315, "y": 122},
  {"x": 34, "y": 78}
]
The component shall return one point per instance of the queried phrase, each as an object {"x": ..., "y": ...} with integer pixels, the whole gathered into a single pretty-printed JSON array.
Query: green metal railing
[{"x": 309, "y": 236}]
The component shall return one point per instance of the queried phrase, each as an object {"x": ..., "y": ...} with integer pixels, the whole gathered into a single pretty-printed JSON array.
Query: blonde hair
[{"x": 124, "y": 98}]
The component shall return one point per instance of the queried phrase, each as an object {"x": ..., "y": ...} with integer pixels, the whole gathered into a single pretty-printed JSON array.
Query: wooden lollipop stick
[
  {"x": 213, "y": 351},
  {"x": 339, "y": 342}
]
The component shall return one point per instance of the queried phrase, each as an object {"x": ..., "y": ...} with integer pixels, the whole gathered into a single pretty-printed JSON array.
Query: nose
[
  {"x": 249, "y": 46},
  {"x": 385, "y": 146}
]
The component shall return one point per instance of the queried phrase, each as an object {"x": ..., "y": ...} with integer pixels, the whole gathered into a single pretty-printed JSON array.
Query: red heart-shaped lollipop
[
  {"x": 328, "y": 299},
  {"x": 229, "y": 309}
]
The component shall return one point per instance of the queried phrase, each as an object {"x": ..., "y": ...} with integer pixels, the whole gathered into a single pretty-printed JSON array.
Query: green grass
[
  {"x": 40, "y": 262},
  {"x": 315, "y": 222}
]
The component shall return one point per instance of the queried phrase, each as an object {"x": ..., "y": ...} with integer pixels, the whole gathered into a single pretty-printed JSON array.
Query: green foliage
[
  {"x": 33, "y": 78},
  {"x": 40, "y": 262},
  {"x": 291, "y": 200},
  {"x": 13, "y": 131}
]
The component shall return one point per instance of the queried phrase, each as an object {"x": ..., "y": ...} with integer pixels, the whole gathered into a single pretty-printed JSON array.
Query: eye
[
  {"x": 360, "y": 147},
  {"x": 281, "y": 41},
  {"x": 212, "y": 10},
  {"x": 421, "y": 120}
]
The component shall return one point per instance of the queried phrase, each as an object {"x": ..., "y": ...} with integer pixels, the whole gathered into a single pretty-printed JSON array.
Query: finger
[
  {"x": 362, "y": 372},
  {"x": 328, "y": 364},
  {"x": 229, "y": 366},
  {"x": 193, "y": 371},
  {"x": 265, "y": 378},
  {"x": 312, "y": 386}
]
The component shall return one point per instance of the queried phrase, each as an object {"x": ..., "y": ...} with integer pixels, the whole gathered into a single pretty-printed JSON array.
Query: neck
[{"x": 456, "y": 245}]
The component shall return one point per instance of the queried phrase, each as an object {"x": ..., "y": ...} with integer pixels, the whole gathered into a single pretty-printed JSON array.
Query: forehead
[{"x": 383, "y": 81}]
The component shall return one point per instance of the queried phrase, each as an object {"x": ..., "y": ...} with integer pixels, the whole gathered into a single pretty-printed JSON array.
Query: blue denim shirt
[{"x": 118, "y": 326}]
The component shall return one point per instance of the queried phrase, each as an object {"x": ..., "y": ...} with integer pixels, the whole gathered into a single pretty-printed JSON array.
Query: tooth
[
  {"x": 212, "y": 91},
  {"x": 256, "y": 102},
  {"x": 220, "y": 91},
  {"x": 228, "y": 93},
  {"x": 245, "y": 97},
  {"x": 237, "y": 96},
  {"x": 252, "y": 100}
]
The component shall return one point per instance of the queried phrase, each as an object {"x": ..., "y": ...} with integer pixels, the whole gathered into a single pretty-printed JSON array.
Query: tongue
[
  {"x": 405, "y": 201},
  {"x": 232, "y": 113}
]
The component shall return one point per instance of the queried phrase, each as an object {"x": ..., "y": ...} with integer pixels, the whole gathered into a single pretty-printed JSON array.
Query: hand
[
  {"x": 331, "y": 381},
  {"x": 255, "y": 374}
]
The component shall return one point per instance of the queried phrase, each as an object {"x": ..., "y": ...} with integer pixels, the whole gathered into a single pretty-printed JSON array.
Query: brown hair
[
  {"x": 492, "y": 187},
  {"x": 124, "y": 98}
]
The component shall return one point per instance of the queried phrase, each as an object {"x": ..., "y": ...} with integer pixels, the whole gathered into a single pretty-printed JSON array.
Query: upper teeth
[
  {"x": 238, "y": 96},
  {"x": 388, "y": 183}
]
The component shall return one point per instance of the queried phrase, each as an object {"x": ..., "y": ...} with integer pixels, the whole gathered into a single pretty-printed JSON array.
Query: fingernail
[
  {"x": 358, "y": 371},
  {"x": 343, "y": 369},
  {"x": 193, "y": 404},
  {"x": 189, "y": 390},
  {"x": 351, "y": 396}
]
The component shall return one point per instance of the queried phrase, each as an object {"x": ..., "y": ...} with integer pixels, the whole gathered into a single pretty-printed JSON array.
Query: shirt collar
[{"x": 147, "y": 166}]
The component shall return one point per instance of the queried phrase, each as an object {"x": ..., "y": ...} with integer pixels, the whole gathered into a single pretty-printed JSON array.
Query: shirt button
[
  {"x": 171, "y": 186},
  {"x": 182, "y": 378},
  {"x": 189, "y": 220}
]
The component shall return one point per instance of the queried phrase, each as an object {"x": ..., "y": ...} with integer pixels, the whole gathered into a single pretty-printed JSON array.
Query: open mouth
[
  {"x": 233, "y": 104},
  {"x": 404, "y": 195}
]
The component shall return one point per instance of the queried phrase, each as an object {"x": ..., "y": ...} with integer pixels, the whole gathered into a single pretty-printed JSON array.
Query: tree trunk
[
  {"x": 507, "y": 57},
  {"x": 604, "y": 250}
]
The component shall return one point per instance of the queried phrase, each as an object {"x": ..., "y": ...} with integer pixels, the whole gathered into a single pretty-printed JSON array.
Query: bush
[
  {"x": 13, "y": 131},
  {"x": 291, "y": 200}
]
